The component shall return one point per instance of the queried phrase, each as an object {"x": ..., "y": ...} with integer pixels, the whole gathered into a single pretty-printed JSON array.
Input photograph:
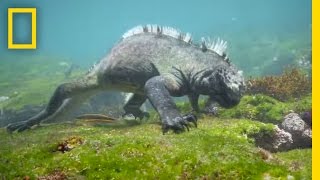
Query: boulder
[
  {"x": 306, "y": 139},
  {"x": 293, "y": 124},
  {"x": 299, "y": 129},
  {"x": 279, "y": 140},
  {"x": 307, "y": 117}
]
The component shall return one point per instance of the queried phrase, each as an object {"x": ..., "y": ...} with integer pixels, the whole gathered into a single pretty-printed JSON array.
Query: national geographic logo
[{"x": 33, "y": 44}]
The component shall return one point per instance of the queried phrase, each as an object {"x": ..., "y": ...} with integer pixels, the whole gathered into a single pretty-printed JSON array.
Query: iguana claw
[
  {"x": 19, "y": 126},
  {"x": 179, "y": 124},
  {"x": 191, "y": 118}
]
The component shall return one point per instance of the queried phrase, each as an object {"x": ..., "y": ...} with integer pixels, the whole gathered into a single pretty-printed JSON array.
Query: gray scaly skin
[{"x": 153, "y": 63}]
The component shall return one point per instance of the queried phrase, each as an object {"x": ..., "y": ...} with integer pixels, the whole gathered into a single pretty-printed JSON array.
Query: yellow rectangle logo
[{"x": 33, "y": 12}]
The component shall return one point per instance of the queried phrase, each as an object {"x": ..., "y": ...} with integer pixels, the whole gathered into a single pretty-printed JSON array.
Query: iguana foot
[
  {"x": 133, "y": 105},
  {"x": 211, "y": 107},
  {"x": 211, "y": 110},
  {"x": 179, "y": 124},
  {"x": 19, "y": 126}
]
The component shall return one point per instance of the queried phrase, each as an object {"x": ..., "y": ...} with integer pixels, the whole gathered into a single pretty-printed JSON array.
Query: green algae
[
  {"x": 266, "y": 109},
  {"x": 218, "y": 148}
]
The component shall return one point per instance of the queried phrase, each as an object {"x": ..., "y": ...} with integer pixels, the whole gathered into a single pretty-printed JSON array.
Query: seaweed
[
  {"x": 293, "y": 83},
  {"x": 69, "y": 144}
]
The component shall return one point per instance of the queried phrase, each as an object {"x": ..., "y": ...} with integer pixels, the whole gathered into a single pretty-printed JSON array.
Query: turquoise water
[{"x": 84, "y": 31}]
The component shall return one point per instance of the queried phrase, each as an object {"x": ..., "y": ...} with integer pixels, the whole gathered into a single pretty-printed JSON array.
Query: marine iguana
[{"x": 154, "y": 63}]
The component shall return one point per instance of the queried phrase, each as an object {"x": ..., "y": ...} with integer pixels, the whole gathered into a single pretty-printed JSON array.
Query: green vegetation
[
  {"x": 292, "y": 83},
  {"x": 266, "y": 109},
  {"x": 218, "y": 148},
  {"x": 259, "y": 107}
]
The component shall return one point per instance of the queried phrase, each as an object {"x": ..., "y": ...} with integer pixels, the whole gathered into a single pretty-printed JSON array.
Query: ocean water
[{"x": 84, "y": 31}]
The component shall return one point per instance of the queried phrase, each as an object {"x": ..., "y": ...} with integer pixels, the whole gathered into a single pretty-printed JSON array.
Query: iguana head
[
  {"x": 223, "y": 84},
  {"x": 222, "y": 81},
  {"x": 230, "y": 88}
]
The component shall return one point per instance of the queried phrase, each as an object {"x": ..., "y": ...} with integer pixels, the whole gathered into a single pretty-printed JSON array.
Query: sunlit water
[{"x": 84, "y": 31}]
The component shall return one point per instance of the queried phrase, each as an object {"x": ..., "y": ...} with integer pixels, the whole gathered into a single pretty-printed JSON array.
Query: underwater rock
[
  {"x": 306, "y": 139},
  {"x": 293, "y": 124},
  {"x": 307, "y": 117},
  {"x": 280, "y": 140},
  {"x": 300, "y": 130},
  {"x": 292, "y": 133},
  {"x": 307, "y": 133}
]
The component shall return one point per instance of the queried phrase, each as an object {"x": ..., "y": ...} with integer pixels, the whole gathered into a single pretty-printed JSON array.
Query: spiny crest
[
  {"x": 156, "y": 29},
  {"x": 93, "y": 67},
  {"x": 219, "y": 46}
]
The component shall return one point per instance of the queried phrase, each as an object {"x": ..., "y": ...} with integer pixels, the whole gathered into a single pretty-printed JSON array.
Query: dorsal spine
[{"x": 219, "y": 46}]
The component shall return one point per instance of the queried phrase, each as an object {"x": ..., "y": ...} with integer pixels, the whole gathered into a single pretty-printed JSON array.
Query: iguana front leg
[
  {"x": 210, "y": 106},
  {"x": 133, "y": 106},
  {"x": 160, "y": 98}
]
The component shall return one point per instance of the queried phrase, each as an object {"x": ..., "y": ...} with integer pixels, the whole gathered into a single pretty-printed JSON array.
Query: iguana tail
[{"x": 64, "y": 100}]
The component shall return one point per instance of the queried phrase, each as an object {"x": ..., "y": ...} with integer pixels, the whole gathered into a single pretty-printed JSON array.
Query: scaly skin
[{"x": 154, "y": 67}]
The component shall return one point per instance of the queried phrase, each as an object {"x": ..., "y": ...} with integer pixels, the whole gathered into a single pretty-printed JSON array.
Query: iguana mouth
[{"x": 225, "y": 101}]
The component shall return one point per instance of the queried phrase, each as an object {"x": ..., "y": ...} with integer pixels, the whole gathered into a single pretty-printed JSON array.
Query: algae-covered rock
[
  {"x": 306, "y": 138},
  {"x": 307, "y": 117},
  {"x": 292, "y": 133},
  {"x": 301, "y": 132},
  {"x": 293, "y": 124},
  {"x": 279, "y": 140}
]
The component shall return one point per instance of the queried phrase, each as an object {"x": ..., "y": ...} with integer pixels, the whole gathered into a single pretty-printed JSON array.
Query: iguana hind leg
[
  {"x": 133, "y": 105},
  {"x": 65, "y": 99}
]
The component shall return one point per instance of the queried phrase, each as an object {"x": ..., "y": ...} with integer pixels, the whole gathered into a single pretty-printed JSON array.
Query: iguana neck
[
  {"x": 186, "y": 81},
  {"x": 204, "y": 80}
]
